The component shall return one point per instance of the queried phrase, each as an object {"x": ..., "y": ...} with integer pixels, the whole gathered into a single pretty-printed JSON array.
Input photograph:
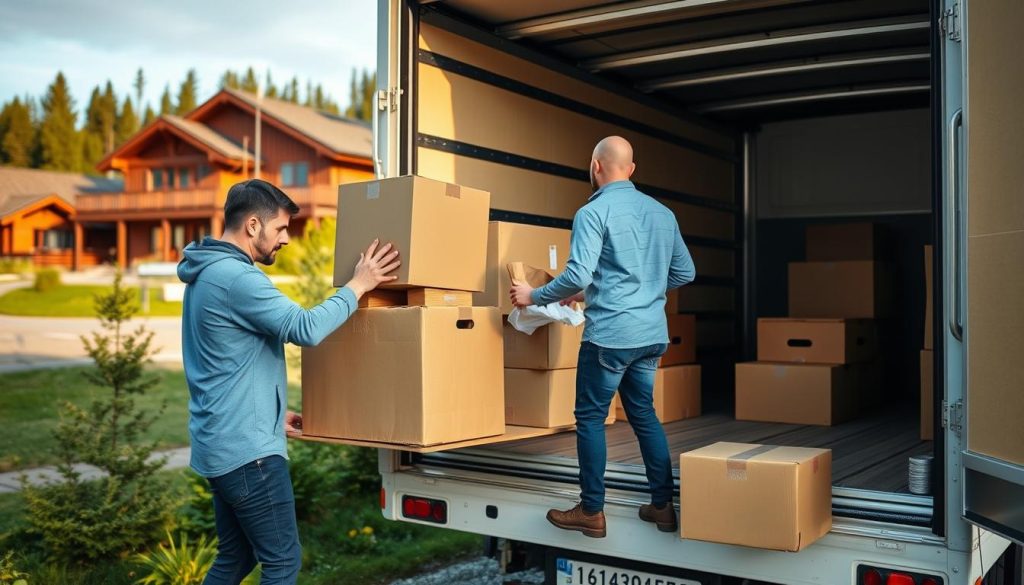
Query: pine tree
[
  {"x": 293, "y": 90},
  {"x": 124, "y": 511},
  {"x": 309, "y": 94},
  {"x": 149, "y": 116},
  {"x": 17, "y": 135},
  {"x": 93, "y": 131},
  {"x": 187, "y": 94},
  {"x": 139, "y": 85},
  {"x": 369, "y": 88},
  {"x": 352, "y": 111},
  {"x": 249, "y": 82},
  {"x": 108, "y": 117},
  {"x": 166, "y": 104},
  {"x": 361, "y": 92},
  {"x": 60, "y": 145},
  {"x": 271, "y": 90},
  {"x": 127, "y": 122},
  {"x": 230, "y": 80}
]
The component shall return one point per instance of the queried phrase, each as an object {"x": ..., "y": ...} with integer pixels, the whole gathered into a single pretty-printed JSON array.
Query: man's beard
[{"x": 266, "y": 256}]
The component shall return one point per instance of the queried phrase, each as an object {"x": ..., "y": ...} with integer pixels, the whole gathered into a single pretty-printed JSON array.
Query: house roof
[
  {"x": 208, "y": 136},
  {"x": 20, "y": 188},
  {"x": 337, "y": 133}
]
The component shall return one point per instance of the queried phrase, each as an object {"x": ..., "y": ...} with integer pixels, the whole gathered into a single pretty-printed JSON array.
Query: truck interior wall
[{"x": 487, "y": 118}]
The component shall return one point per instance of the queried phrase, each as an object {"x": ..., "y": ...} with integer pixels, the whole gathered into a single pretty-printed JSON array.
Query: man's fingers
[
  {"x": 371, "y": 249},
  {"x": 382, "y": 251},
  {"x": 391, "y": 267}
]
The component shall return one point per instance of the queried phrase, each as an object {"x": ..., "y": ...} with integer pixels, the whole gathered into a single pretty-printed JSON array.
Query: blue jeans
[
  {"x": 255, "y": 512},
  {"x": 600, "y": 372}
]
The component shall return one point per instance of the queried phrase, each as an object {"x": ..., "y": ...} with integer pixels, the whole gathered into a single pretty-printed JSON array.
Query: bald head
[{"x": 612, "y": 161}]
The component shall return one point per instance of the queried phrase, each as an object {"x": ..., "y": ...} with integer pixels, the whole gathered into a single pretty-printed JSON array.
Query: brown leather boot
[
  {"x": 664, "y": 518},
  {"x": 575, "y": 518}
]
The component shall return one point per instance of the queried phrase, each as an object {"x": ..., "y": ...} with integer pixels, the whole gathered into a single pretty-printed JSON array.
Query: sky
[{"x": 92, "y": 41}]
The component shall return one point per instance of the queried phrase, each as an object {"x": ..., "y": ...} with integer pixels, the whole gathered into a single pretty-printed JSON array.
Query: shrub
[
  {"x": 195, "y": 515},
  {"x": 8, "y": 574},
  {"x": 180, "y": 564},
  {"x": 11, "y": 265},
  {"x": 89, "y": 520},
  {"x": 47, "y": 279},
  {"x": 323, "y": 474}
]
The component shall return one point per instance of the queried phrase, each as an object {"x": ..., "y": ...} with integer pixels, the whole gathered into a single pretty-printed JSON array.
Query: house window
[
  {"x": 295, "y": 174},
  {"x": 183, "y": 178},
  {"x": 170, "y": 178},
  {"x": 178, "y": 237},
  {"x": 158, "y": 178},
  {"x": 58, "y": 240},
  {"x": 202, "y": 172}
]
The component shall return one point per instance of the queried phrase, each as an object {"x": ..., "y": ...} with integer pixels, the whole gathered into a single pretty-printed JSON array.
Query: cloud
[{"x": 92, "y": 41}]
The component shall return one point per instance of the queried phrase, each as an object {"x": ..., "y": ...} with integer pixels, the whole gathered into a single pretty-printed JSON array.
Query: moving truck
[{"x": 752, "y": 120}]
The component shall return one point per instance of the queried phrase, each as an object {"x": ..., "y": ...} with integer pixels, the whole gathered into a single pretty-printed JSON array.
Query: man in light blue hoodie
[
  {"x": 625, "y": 253},
  {"x": 234, "y": 327}
]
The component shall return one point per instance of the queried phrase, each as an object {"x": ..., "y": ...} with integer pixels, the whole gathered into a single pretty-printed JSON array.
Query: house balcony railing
[{"x": 198, "y": 199}]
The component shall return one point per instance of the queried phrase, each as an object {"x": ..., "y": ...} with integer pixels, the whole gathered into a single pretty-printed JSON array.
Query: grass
[
  {"x": 30, "y": 410},
  {"x": 71, "y": 300}
]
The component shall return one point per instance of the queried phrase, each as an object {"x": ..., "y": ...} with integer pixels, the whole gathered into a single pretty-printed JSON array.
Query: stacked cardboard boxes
[
  {"x": 927, "y": 354},
  {"x": 430, "y": 371},
  {"x": 540, "y": 368},
  {"x": 817, "y": 366},
  {"x": 677, "y": 381}
]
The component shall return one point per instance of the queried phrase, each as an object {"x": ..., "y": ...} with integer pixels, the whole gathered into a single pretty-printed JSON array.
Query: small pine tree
[
  {"x": 249, "y": 82},
  {"x": 187, "y": 94},
  {"x": 127, "y": 509},
  {"x": 127, "y": 122},
  {"x": 60, "y": 144},
  {"x": 166, "y": 103},
  {"x": 140, "y": 86},
  {"x": 150, "y": 115},
  {"x": 18, "y": 137}
]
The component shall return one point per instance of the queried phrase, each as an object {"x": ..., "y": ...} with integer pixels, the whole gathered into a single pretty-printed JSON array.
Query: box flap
[{"x": 524, "y": 274}]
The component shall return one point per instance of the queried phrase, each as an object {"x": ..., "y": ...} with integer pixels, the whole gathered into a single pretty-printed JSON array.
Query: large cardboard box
[
  {"x": 682, "y": 341},
  {"x": 407, "y": 375},
  {"x": 851, "y": 290},
  {"x": 440, "y": 230},
  {"x": 804, "y": 394},
  {"x": 536, "y": 398},
  {"x": 763, "y": 496},
  {"x": 816, "y": 341},
  {"x": 928, "y": 299},
  {"x": 846, "y": 241},
  {"x": 546, "y": 248},
  {"x": 927, "y": 395},
  {"x": 551, "y": 347},
  {"x": 676, "y": 394},
  {"x": 672, "y": 301}
]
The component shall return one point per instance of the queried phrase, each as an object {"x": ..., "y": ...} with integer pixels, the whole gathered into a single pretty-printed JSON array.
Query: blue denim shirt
[{"x": 626, "y": 252}]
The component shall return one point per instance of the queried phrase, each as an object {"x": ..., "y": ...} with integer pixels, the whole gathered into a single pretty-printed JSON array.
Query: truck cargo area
[{"x": 752, "y": 120}]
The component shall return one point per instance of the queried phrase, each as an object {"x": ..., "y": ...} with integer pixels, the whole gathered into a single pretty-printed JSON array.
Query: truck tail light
[
  {"x": 868, "y": 575},
  {"x": 425, "y": 509}
]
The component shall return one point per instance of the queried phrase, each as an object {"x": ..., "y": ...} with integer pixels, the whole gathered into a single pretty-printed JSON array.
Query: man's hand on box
[
  {"x": 374, "y": 267},
  {"x": 292, "y": 424},
  {"x": 520, "y": 295}
]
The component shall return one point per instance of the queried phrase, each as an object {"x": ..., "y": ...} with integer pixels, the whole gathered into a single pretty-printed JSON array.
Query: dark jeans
[
  {"x": 255, "y": 511},
  {"x": 600, "y": 372}
]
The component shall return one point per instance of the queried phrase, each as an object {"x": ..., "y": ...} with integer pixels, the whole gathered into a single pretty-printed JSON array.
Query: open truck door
[{"x": 985, "y": 255}]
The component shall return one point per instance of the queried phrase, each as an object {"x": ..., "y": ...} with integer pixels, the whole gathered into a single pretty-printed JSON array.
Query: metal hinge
[
  {"x": 953, "y": 416},
  {"x": 387, "y": 99},
  {"x": 949, "y": 22}
]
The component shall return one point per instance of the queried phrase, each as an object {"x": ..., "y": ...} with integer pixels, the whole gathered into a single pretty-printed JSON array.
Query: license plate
[{"x": 572, "y": 572}]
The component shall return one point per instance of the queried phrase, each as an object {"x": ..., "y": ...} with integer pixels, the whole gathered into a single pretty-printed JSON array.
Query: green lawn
[
  {"x": 74, "y": 301},
  {"x": 70, "y": 300}
]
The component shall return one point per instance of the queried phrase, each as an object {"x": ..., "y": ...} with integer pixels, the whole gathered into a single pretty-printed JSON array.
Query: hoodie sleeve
[{"x": 258, "y": 306}]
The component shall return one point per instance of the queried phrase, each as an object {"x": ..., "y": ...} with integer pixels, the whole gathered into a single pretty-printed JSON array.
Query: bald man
[{"x": 626, "y": 252}]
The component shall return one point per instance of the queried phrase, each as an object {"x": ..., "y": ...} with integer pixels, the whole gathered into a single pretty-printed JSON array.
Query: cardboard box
[
  {"x": 816, "y": 341},
  {"x": 436, "y": 297},
  {"x": 851, "y": 290},
  {"x": 440, "y": 230},
  {"x": 929, "y": 300},
  {"x": 676, "y": 394},
  {"x": 407, "y": 375},
  {"x": 927, "y": 395},
  {"x": 672, "y": 301},
  {"x": 803, "y": 394},
  {"x": 847, "y": 241},
  {"x": 763, "y": 496},
  {"x": 682, "y": 341},
  {"x": 546, "y": 248},
  {"x": 551, "y": 347},
  {"x": 536, "y": 398}
]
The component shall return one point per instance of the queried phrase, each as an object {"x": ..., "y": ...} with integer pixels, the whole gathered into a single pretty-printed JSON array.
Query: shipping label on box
[
  {"x": 407, "y": 375},
  {"x": 682, "y": 340},
  {"x": 762, "y": 496},
  {"x": 440, "y": 230},
  {"x": 551, "y": 347},
  {"x": 818, "y": 341},
  {"x": 849, "y": 290},
  {"x": 676, "y": 394},
  {"x": 544, "y": 248},
  {"x": 805, "y": 394}
]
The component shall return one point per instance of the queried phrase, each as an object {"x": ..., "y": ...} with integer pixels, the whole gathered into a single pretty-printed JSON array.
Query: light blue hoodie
[{"x": 233, "y": 330}]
